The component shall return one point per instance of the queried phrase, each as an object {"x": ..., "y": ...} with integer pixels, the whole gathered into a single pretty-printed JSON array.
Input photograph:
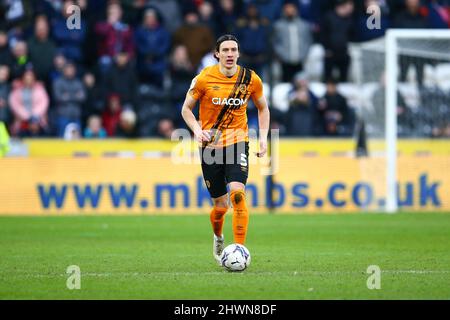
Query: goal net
[{"x": 404, "y": 85}]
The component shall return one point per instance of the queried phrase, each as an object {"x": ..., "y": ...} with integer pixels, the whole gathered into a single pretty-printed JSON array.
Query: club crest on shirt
[{"x": 243, "y": 88}]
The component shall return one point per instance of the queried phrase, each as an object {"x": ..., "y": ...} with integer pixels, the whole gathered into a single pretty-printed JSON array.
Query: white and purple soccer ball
[{"x": 235, "y": 257}]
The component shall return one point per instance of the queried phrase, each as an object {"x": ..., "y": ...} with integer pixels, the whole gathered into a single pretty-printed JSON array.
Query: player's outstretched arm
[
  {"x": 191, "y": 121},
  {"x": 264, "y": 123}
]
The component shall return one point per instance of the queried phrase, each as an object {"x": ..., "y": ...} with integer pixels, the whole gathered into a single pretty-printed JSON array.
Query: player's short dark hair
[{"x": 225, "y": 37}]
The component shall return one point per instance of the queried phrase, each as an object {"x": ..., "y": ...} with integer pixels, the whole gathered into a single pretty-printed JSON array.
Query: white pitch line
[
  {"x": 269, "y": 273},
  {"x": 416, "y": 271}
]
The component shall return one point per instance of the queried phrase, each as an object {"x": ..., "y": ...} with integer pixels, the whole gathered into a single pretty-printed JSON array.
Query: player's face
[{"x": 228, "y": 54}]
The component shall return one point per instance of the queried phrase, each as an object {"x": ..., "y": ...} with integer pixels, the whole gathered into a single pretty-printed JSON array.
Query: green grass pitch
[{"x": 170, "y": 257}]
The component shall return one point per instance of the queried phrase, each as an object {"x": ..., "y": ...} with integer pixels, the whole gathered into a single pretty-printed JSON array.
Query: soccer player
[{"x": 223, "y": 91}]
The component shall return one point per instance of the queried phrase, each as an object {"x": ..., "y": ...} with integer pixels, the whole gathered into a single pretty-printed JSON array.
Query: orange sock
[
  {"x": 217, "y": 218},
  {"x": 240, "y": 216}
]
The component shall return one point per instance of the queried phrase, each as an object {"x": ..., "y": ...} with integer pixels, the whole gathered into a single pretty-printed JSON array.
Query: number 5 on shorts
[{"x": 243, "y": 159}]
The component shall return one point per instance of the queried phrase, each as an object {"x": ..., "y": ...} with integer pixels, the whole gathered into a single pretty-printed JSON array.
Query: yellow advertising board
[
  {"x": 91, "y": 186},
  {"x": 56, "y": 148}
]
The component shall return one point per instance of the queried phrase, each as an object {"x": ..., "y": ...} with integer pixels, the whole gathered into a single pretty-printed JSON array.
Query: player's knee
[
  {"x": 237, "y": 198},
  {"x": 221, "y": 203}
]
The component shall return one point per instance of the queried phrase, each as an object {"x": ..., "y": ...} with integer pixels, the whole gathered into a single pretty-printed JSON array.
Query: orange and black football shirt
[{"x": 223, "y": 102}]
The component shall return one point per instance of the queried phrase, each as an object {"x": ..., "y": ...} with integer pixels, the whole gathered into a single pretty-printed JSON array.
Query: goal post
[
  {"x": 403, "y": 91},
  {"x": 393, "y": 50},
  {"x": 391, "y": 120}
]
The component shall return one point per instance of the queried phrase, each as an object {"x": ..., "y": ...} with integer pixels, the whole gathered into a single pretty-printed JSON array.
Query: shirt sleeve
[
  {"x": 257, "y": 87},
  {"x": 196, "y": 90}
]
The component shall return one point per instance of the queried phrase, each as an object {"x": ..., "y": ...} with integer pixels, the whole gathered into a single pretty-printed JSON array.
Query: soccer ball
[{"x": 235, "y": 257}]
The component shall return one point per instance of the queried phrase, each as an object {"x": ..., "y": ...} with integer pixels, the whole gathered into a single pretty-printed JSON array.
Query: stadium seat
[
  {"x": 351, "y": 92},
  {"x": 442, "y": 74},
  {"x": 318, "y": 88},
  {"x": 314, "y": 62},
  {"x": 266, "y": 89},
  {"x": 367, "y": 92},
  {"x": 429, "y": 75},
  {"x": 445, "y": 86},
  {"x": 280, "y": 96},
  {"x": 410, "y": 93}
]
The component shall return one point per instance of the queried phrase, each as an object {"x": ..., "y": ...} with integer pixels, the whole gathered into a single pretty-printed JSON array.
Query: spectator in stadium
[
  {"x": 411, "y": 17},
  {"x": 405, "y": 121},
  {"x": 227, "y": 13},
  {"x": 114, "y": 36},
  {"x": 336, "y": 31},
  {"x": 51, "y": 9},
  {"x": 94, "y": 128},
  {"x": 29, "y": 104},
  {"x": 165, "y": 128},
  {"x": 132, "y": 11},
  {"x": 15, "y": 14},
  {"x": 122, "y": 79},
  {"x": 334, "y": 112},
  {"x": 127, "y": 127},
  {"x": 270, "y": 10},
  {"x": 189, "y": 6},
  {"x": 170, "y": 12},
  {"x": 182, "y": 72},
  {"x": 395, "y": 6},
  {"x": 207, "y": 17},
  {"x": 42, "y": 49},
  {"x": 69, "y": 41},
  {"x": 4, "y": 93},
  {"x": 292, "y": 39},
  {"x": 195, "y": 36},
  {"x": 6, "y": 57},
  {"x": 20, "y": 59},
  {"x": 433, "y": 112},
  {"x": 69, "y": 95},
  {"x": 438, "y": 14},
  {"x": 446, "y": 131},
  {"x": 253, "y": 33},
  {"x": 111, "y": 115},
  {"x": 94, "y": 13},
  {"x": 301, "y": 118},
  {"x": 313, "y": 11},
  {"x": 153, "y": 45},
  {"x": 59, "y": 61},
  {"x": 20, "y": 43},
  {"x": 95, "y": 100}
]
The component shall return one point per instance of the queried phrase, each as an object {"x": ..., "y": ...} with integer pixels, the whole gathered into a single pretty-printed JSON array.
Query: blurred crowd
[{"x": 125, "y": 69}]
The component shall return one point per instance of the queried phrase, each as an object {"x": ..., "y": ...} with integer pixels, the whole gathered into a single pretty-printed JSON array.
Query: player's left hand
[{"x": 262, "y": 149}]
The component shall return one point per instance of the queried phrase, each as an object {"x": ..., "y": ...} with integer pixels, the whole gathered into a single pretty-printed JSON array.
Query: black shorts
[{"x": 221, "y": 166}]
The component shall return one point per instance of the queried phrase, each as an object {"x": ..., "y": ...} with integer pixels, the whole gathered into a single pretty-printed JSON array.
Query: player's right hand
[{"x": 203, "y": 136}]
